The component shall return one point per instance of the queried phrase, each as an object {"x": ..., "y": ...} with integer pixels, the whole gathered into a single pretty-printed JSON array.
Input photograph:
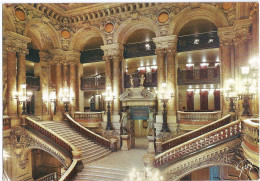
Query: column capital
[
  {"x": 226, "y": 36},
  {"x": 15, "y": 42},
  {"x": 166, "y": 42},
  {"x": 242, "y": 29},
  {"x": 58, "y": 56},
  {"x": 113, "y": 50},
  {"x": 44, "y": 57},
  {"x": 72, "y": 57}
]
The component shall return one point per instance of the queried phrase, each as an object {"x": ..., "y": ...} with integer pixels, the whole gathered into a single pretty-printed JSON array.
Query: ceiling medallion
[
  {"x": 163, "y": 17},
  {"x": 20, "y": 14},
  {"x": 65, "y": 34},
  {"x": 227, "y": 6},
  {"x": 109, "y": 27}
]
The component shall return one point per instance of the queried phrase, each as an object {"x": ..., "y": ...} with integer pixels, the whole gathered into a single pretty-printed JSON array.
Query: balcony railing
[
  {"x": 198, "y": 76},
  {"x": 149, "y": 81},
  {"x": 33, "y": 83},
  {"x": 6, "y": 122},
  {"x": 89, "y": 119},
  {"x": 194, "y": 144},
  {"x": 199, "y": 118},
  {"x": 92, "y": 83}
]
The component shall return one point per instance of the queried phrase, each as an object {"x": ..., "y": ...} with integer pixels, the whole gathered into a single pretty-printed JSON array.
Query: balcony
[
  {"x": 33, "y": 83},
  {"x": 150, "y": 79},
  {"x": 93, "y": 83},
  {"x": 198, "y": 76},
  {"x": 89, "y": 119}
]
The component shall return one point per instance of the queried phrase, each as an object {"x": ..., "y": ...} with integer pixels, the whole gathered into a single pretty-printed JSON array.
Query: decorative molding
[
  {"x": 113, "y": 51},
  {"x": 166, "y": 42}
]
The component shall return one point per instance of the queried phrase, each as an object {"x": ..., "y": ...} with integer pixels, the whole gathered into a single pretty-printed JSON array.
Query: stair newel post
[{"x": 77, "y": 154}]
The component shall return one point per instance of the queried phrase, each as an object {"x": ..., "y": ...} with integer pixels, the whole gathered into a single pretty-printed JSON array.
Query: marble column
[
  {"x": 59, "y": 105},
  {"x": 226, "y": 51},
  {"x": 66, "y": 74},
  {"x": 4, "y": 74},
  {"x": 108, "y": 70},
  {"x": 116, "y": 84}
]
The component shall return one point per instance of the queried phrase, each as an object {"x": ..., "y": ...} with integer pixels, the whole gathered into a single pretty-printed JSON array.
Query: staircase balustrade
[
  {"x": 90, "y": 134},
  {"x": 6, "y": 122},
  {"x": 191, "y": 145},
  {"x": 251, "y": 134},
  {"x": 195, "y": 133},
  {"x": 88, "y": 116},
  {"x": 89, "y": 83},
  {"x": 197, "y": 117},
  {"x": 62, "y": 143},
  {"x": 49, "y": 177}
]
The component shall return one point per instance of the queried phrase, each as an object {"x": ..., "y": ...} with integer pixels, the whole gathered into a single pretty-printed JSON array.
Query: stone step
[
  {"x": 87, "y": 168},
  {"x": 92, "y": 151},
  {"x": 96, "y": 157},
  {"x": 97, "y": 176}
]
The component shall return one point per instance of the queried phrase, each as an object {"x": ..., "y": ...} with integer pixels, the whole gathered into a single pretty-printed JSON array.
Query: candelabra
[
  {"x": 66, "y": 97},
  {"x": 23, "y": 97},
  {"x": 231, "y": 94},
  {"x": 108, "y": 97},
  {"x": 164, "y": 96},
  {"x": 247, "y": 90}
]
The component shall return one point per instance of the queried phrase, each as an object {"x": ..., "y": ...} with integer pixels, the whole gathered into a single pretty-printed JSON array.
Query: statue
[
  {"x": 142, "y": 78},
  {"x": 132, "y": 81}
]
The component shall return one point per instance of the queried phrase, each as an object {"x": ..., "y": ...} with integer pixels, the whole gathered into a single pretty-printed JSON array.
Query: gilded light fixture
[
  {"x": 108, "y": 97},
  {"x": 23, "y": 97}
]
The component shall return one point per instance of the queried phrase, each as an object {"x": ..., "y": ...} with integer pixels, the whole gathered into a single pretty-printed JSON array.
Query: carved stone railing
[
  {"x": 71, "y": 150},
  {"x": 89, "y": 134},
  {"x": 90, "y": 83},
  {"x": 193, "y": 134},
  {"x": 89, "y": 119},
  {"x": 33, "y": 83},
  {"x": 49, "y": 177},
  {"x": 6, "y": 122},
  {"x": 251, "y": 140},
  {"x": 211, "y": 76},
  {"x": 198, "y": 118},
  {"x": 193, "y": 145}
]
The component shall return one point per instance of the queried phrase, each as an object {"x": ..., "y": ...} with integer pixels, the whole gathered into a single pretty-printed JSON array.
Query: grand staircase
[
  {"x": 90, "y": 150},
  {"x": 96, "y": 173}
]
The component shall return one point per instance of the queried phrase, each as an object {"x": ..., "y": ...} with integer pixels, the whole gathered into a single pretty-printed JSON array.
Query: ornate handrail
[
  {"x": 6, "y": 122},
  {"x": 197, "y": 116},
  {"x": 195, "y": 133},
  {"x": 193, "y": 145},
  {"x": 251, "y": 136},
  {"x": 90, "y": 134},
  {"x": 72, "y": 151},
  {"x": 51, "y": 176},
  {"x": 71, "y": 172},
  {"x": 89, "y": 116}
]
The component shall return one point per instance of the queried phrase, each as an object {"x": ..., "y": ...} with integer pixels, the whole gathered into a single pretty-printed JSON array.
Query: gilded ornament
[
  {"x": 163, "y": 17},
  {"x": 109, "y": 27},
  {"x": 20, "y": 14},
  {"x": 227, "y": 6},
  {"x": 65, "y": 34}
]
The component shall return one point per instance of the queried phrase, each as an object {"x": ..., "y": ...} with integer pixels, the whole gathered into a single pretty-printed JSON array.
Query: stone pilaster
[
  {"x": 108, "y": 70},
  {"x": 226, "y": 55},
  {"x": 14, "y": 43},
  {"x": 4, "y": 74},
  {"x": 166, "y": 71}
]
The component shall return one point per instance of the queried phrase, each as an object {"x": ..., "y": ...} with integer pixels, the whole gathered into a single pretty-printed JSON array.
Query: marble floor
[{"x": 126, "y": 160}]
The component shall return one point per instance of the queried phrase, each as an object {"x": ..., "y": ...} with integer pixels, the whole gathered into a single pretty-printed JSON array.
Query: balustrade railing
[
  {"x": 6, "y": 122},
  {"x": 194, "y": 144},
  {"x": 251, "y": 133},
  {"x": 33, "y": 83},
  {"x": 197, "y": 117},
  {"x": 88, "y": 116},
  {"x": 149, "y": 81},
  {"x": 198, "y": 76},
  {"x": 49, "y": 177},
  {"x": 89, "y": 134},
  {"x": 90, "y": 83},
  {"x": 62, "y": 143},
  {"x": 195, "y": 133}
]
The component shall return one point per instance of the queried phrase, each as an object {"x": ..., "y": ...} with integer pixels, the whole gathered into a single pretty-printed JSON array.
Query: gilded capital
[
  {"x": 226, "y": 36},
  {"x": 166, "y": 42},
  {"x": 15, "y": 42},
  {"x": 242, "y": 29},
  {"x": 113, "y": 51}
]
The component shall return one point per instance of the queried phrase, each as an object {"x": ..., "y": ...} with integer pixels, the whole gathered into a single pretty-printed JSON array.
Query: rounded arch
[
  {"x": 8, "y": 20},
  {"x": 46, "y": 35},
  {"x": 65, "y": 162},
  {"x": 80, "y": 38},
  {"x": 130, "y": 26},
  {"x": 207, "y": 12}
]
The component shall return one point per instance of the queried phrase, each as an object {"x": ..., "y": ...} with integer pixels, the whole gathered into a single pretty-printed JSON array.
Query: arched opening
[
  {"x": 198, "y": 70},
  {"x": 44, "y": 165},
  {"x": 216, "y": 173},
  {"x": 139, "y": 61},
  {"x": 93, "y": 73}
]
